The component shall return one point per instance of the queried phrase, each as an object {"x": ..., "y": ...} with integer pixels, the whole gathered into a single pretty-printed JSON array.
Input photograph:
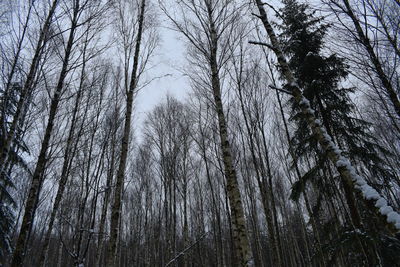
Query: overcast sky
[{"x": 169, "y": 59}]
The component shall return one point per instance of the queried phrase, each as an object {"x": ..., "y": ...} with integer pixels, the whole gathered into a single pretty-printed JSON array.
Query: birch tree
[
  {"x": 208, "y": 27},
  {"x": 37, "y": 178},
  {"x": 370, "y": 196},
  {"x": 132, "y": 34}
]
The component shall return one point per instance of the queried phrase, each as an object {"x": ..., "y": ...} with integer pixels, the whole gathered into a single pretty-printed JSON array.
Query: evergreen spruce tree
[{"x": 320, "y": 75}]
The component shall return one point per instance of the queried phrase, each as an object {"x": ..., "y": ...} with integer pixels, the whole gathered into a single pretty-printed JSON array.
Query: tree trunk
[
  {"x": 117, "y": 205},
  {"x": 366, "y": 193},
  {"x": 240, "y": 238},
  {"x": 26, "y": 90},
  {"x": 37, "y": 178},
  {"x": 70, "y": 149},
  {"x": 104, "y": 209},
  {"x": 266, "y": 203},
  {"x": 391, "y": 91},
  {"x": 298, "y": 174}
]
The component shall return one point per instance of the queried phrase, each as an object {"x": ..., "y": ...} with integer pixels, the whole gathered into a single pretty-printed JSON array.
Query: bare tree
[
  {"x": 210, "y": 33},
  {"x": 27, "y": 87},
  {"x": 130, "y": 34},
  {"x": 37, "y": 178},
  {"x": 363, "y": 27}
]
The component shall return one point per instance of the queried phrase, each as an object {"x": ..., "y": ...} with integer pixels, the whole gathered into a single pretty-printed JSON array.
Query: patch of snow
[
  {"x": 385, "y": 210},
  {"x": 360, "y": 181},
  {"x": 369, "y": 192},
  {"x": 342, "y": 162},
  {"x": 310, "y": 54},
  {"x": 309, "y": 110},
  {"x": 323, "y": 131},
  {"x": 332, "y": 145},
  {"x": 327, "y": 137},
  {"x": 393, "y": 217},
  {"x": 355, "y": 176},
  {"x": 250, "y": 263},
  {"x": 337, "y": 150},
  {"x": 361, "y": 184},
  {"x": 381, "y": 203},
  {"x": 304, "y": 102}
]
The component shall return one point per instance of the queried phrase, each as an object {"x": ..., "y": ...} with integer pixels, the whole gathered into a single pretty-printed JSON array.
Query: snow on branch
[{"x": 343, "y": 165}]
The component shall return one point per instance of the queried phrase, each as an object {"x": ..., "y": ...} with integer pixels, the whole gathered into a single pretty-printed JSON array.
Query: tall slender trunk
[
  {"x": 70, "y": 149},
  {"x": 271, "y": 191},
  {"x": 387, "y": 84},
  {"x": 240, "y": 237},
  {"x": 10, "y": 76},
  {"x": 370, "y": 196},
  {"x": 26, "y": 90},
  {"x": 37, "y": 178},
  {"x": 104, "y": 209},
  {"x": 93, "y": 211},
  {"x": 348, "y": 192},
  {"x": 275, "y": 257},
  {"x": 185, "y": 224},
  {"x": 218, "y": 233},
  {"x": 297, "y": 171},
  {"x": 116, "y": 207}
]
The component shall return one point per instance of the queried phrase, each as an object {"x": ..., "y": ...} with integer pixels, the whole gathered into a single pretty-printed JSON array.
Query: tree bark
[
  {"x": 342, "y": 164},
  {"x": 240, "y": 238},
  {"x": 71, "y": 147},
  {"x": 37, "y": 178},
  {"x": 26, "y": 90},
  {"x": 116, "y": 207},
  {"x": 390, "y": 90}
]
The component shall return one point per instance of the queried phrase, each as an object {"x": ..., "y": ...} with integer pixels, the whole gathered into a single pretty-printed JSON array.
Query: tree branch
[
  {"x": 182, "y": 253},
  {"x": 280, "y": 89},
  {"x": 261, "y": 43}
]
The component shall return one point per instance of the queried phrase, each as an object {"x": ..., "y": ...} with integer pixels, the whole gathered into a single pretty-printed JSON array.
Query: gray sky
[{"x": 169, "y": 59}]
